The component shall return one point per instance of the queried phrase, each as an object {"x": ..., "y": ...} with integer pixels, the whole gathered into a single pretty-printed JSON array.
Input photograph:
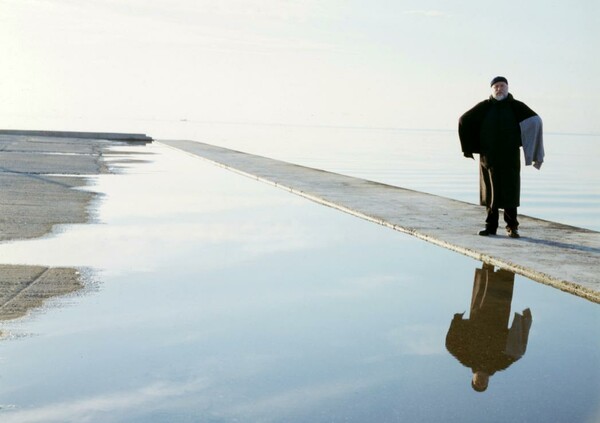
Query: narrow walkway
[{"x": 562, "y": 256}]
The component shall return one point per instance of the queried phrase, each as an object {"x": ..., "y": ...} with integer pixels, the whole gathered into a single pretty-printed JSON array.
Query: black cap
[{"x": 498, "y": 79}]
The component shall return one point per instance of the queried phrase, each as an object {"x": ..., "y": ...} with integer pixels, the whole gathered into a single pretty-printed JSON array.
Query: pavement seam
[{"x": 25, "y": 288}]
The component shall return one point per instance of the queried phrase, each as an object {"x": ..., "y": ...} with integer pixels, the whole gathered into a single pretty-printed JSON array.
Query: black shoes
[{"x": 512, "y": 233}]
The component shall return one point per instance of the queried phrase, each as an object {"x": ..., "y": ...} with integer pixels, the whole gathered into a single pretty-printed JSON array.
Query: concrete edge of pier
[{"x": 554, "y": 254}]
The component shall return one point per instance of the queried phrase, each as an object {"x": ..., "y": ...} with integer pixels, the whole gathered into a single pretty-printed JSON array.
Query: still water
[{"x": 214, "y": 298}]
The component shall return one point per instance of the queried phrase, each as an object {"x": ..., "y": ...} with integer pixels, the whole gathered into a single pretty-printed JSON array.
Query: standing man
[{"x": 495, "y": 129}]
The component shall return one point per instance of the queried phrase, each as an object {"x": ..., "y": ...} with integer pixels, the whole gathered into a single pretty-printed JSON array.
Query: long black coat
[
  {"x": 484, "y": 342},
  {"x": 491, "y": 129}
]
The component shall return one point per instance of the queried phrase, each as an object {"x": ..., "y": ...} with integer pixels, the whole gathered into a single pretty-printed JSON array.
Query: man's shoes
[
  {"x": 487, "y": 232},
  {"x": 513, "y": 232}
]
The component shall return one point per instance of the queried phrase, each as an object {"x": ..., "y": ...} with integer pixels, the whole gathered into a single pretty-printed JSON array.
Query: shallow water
[{"x": 217, "y": 298}]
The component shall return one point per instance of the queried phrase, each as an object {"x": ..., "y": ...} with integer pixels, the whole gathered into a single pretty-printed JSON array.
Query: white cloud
[
  {"x": 86, "y": 409},
  {"x": 144, "y": 247}
]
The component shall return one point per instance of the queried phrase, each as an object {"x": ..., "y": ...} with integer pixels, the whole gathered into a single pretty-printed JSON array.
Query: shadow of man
[{"x": 483, "y": 342}]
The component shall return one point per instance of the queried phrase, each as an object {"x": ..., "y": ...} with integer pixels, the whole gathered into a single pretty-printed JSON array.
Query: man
[
  {"x": 483, "y": 342},
  {"x": 495, "y": 129}
]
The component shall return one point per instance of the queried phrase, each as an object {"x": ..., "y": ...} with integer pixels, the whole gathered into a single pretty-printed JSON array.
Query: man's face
[
  {"x": 500, "y": 90},
  {"x": 481, "y": 381}
]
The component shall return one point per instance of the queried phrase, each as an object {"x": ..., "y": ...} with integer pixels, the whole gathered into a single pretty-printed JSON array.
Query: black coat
[
  {"x": 491, "y": 129},
  {"x": 484, "y": 342}
]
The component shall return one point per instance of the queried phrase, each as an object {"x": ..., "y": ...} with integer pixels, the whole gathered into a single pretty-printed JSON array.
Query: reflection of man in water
[{"x": 483, "y": 342}]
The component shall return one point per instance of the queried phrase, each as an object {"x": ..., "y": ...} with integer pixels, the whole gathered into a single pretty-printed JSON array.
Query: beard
[{"x": 499, "y": 96}]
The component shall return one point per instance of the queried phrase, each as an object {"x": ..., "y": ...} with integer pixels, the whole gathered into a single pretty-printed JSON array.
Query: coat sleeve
[
  {"x": 468, "y": 129},
  {"x": 522, "y": 111}
]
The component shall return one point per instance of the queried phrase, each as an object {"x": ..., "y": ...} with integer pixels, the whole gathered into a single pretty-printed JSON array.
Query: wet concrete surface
[
  {"x": 562, "y": 256},
  {"x": 23, "y": 288},
  {"x": 38, "y": 176},
  {"x": 39, "y": 179}
]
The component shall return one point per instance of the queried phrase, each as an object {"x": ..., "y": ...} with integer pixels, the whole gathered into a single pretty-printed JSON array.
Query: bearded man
[{"x": 495, "y": 129}]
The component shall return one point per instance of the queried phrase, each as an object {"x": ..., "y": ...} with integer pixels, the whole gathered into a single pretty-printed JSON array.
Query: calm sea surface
[{"x": 211, "y": 297}]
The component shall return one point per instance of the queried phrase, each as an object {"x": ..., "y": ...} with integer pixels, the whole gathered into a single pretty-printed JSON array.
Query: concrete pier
[{"x": 558, "y": 255}]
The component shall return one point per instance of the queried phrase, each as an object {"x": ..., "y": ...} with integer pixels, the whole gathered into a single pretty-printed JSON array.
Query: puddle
[{"x": 223, "y": 299}]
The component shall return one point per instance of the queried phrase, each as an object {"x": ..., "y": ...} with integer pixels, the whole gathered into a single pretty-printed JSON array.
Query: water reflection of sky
[{"x": 222, "y": 299}]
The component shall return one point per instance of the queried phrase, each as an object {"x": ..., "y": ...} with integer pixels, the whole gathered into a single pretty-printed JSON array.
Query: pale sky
[{"x": 375, "y": 63}]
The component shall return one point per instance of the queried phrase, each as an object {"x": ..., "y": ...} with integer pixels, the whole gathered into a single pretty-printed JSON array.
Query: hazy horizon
[{"x": 390, "y": 64}]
